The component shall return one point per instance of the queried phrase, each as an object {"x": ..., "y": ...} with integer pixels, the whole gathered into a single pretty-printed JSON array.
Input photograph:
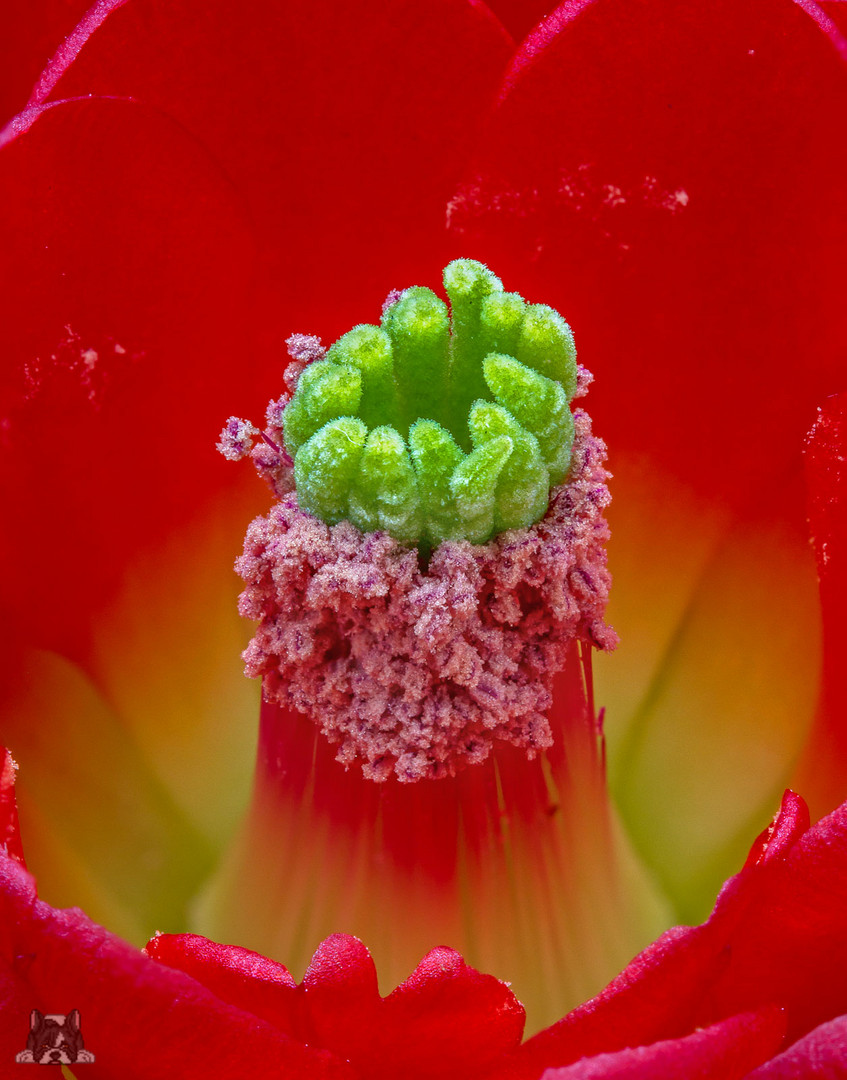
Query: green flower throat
[{"x": 438, "y": 425}]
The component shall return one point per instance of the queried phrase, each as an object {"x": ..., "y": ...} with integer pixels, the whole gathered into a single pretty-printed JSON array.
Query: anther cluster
[{"x": 416, "y": 674}]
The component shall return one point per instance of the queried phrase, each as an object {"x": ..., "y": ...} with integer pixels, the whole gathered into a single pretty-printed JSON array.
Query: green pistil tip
[{"x": 439, "y": 424}]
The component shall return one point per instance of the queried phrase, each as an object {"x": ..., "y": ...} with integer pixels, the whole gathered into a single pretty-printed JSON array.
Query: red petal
[
  {"x": 446, "y": 1019},
  {"x": 15, "y": 1006},
  {"x": 237, "y": 976},
  {"x": 125, "y": 273},
  {"x": 343, "y": 127},
  {"x": 135, "y": 1013},
  {"x": 784, "y": 831},
  {"x": 520, "y": 16},
  {"x": 329, "y": 137},
  {"x": 672, "y": 174},
  {"x": 785, "y": 931},
  {"x": 826, "y": 474},
  {"x": 821, "y": 1054},
  {"x": 725, "y": 1051},
  {"x": 656, "y": 997},
  {"x": 342, "y": 997}
]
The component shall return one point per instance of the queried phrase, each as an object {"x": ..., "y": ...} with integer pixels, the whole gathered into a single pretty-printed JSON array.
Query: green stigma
[{"x": 439, "y": 424}]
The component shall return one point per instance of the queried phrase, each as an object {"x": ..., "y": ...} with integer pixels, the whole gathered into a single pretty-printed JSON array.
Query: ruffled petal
[
  {"x": 59, "y": 960},
  {"x": 239, "y": 977},
  {"x": 445, "y": 1020},
  {"x": 449, "y": 1020}
]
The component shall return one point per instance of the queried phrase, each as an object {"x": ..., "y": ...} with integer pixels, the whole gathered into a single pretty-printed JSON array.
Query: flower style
[{"x": 179, "y": 214}]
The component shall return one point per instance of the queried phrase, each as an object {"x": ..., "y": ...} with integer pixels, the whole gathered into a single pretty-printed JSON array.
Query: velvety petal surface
[
  {"x": 444, "y": 1020},
  {"x": 237, "y": 976},
  {"x": 785, "y": 918},
  {"x": 66, "y": 961},
  {"x": 724, "y": 1051},
  {"x": 344, "y": 128},
  {"x": 820, "y": 1055},
  {"x": 198, "y": 1005},
  {"x": 669, "y": 172}
]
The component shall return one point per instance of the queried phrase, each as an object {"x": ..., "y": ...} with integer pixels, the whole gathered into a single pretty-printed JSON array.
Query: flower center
[
  {"x": 436, "y": 434},
  {"x": 438, "y": 425}
]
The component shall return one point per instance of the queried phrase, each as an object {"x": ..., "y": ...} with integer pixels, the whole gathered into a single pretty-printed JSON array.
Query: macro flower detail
[
  {"x": 417, "y": 600},
  {"x": 186, "y": 184},
  {"x": 438, "y": 426},
  {"x": 757, "y": 991}
]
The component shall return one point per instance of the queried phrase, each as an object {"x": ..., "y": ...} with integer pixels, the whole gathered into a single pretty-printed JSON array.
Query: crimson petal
[
  {"x": 10, "y": 835},
  {"x": 672, "y": 172},
  {"x": 343, "y": 127},
  {"x": 784, "y": 930},
  {"x": 446, "y": 1019},
  {"x": 125, "y": 269},
  {"x": 237, "y": 976},
  {"x": 724, "y": 1051},
  {"x": 173, "y": 1024},
  {"x": 820, "y": 1054},
  {"x": 520, "y": 16}
]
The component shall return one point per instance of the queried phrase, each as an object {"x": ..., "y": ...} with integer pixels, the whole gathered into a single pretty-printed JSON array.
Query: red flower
[
  {"x": 668, "y": 174},
  {"x": 179, "y": 211},
  {"x": 717, "y": 1000}
]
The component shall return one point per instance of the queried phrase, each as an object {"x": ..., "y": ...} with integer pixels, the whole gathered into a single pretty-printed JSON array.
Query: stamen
[
  {"x": 417, "y": 673},
  {"x": 236, "y": 439}
]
